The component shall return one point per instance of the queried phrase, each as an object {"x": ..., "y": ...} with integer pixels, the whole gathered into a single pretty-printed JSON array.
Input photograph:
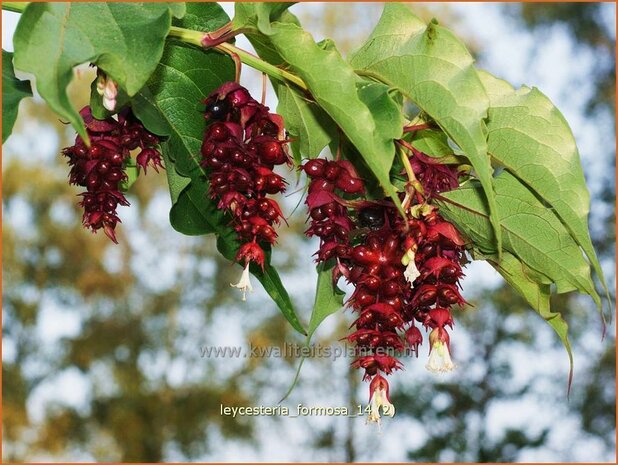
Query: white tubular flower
[
  {"x": 440, "y": 358},
  {"x": 378, "y": 398},
  {"x": 244, "y": 284},
  {"x": 411, "y": 272}
]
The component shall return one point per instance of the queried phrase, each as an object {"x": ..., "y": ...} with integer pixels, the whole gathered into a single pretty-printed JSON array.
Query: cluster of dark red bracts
[
  {"x": 100, "y": 168},
  {"x": 330, "y": 220},
  {"x": 404, "y": 274},
  {"x": 241, "y": 147}
]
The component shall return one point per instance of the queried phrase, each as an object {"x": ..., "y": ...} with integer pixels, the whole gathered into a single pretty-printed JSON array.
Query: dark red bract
[
  {"x": 100, "y": 168},
  {"x": 434, "y": 176},
  {"x": 242, "y": 145}
]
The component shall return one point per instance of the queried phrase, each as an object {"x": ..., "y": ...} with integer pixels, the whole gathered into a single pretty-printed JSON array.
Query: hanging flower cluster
[
  {"x": 330, "y": 219},
  {"x": 405, "y": 272},
  {"x": 100, "y": 168},
  {"x": 242, "y": 145},
  {"x": 435, "y": 252},
  {"x": 378, "y": 208}
]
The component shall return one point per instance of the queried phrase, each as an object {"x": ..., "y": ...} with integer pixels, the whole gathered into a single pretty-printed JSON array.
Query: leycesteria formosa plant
[{"x": 415, "y": 160}]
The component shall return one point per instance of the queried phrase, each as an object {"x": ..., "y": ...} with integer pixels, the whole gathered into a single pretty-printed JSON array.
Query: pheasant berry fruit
[
  {"x": 100, "y": 168},
  {"x": 242, "y": 145}
]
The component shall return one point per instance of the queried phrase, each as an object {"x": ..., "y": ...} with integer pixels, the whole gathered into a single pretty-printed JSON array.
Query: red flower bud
[{"x": 414, "y": 338}]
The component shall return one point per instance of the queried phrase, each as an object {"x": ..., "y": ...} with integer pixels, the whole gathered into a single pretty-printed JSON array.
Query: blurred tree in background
[
  {"x": 101, "y": 343},
  {"x": 589, "y": 25},
  {"x": 125, "y": 318},
  {"x": 592, "y": 28}
]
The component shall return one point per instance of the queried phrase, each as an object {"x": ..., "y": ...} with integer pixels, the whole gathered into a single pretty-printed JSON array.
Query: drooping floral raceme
[
  {"x": 242, "y": 145},
  {"x": 330, "y": 219},
  {"x": 405, "y": 273},
  {"x": 100, "y": 168}
]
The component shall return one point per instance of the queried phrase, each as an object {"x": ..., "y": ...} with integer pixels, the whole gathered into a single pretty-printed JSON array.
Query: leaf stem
[
  {"x": 196, "y": 38},
  {"x": 416, "y": 127},
  {"x": 409, "y": 171}
]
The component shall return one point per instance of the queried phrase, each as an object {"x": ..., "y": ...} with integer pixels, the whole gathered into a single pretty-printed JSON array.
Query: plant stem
[
  {"x": 416, "y": 127},
  {"x": 16, "y": 7},
  {"x": 256, "y": 63},
  {"x": 195, "y": 38},
  {"x": 186, "y": 35},
  {"x": 410, "y": 172}
]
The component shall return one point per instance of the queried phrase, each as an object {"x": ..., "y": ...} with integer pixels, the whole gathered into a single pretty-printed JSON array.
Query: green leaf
[
  {"x": 529, "y": 136},
  {"x": 13, "y": 90},
  {"x": 168, "y": 106},
  {"x": 124, "y": 39},
  {"x": 178, "y": 9},
  {"x": 432, "y": 67},
  {"x": 366, "y": 114},
  {"x": 537, "y": 295},
  {"x": 532, "y": 232},
  {"x": 192, "y": 212},
  {"x": 310, "y": 128},
  {"x": 435, "y": 144},
  {"x": 431, "y": 142},
  {"x": 270, "y": 280},
  {"x": 328, "y": 299},
  {"x": 258, "y": 15},
  {"x": 201, "y": 16}
]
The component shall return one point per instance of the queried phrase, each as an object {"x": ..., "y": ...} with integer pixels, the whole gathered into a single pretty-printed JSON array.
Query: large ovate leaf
[
  {"x": 521, "y": 278},
  {"x": 201, "y": 16},
  {"x": 531, "y": 232},
  {"x": 432, "y": 142},
  {"x": 432, "y": 68},
  {"x": 366, "y": 114},
  {"x": 310, "y": 128},
  {"x": 529, "y": 136},
  {"x": 124, "y": 39},
  {"x": 13, "y": 90},
  {"x": 328, "y": 300},
  {"x": 258, "y": 15},
  {"x": 169, "y": 106}
]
